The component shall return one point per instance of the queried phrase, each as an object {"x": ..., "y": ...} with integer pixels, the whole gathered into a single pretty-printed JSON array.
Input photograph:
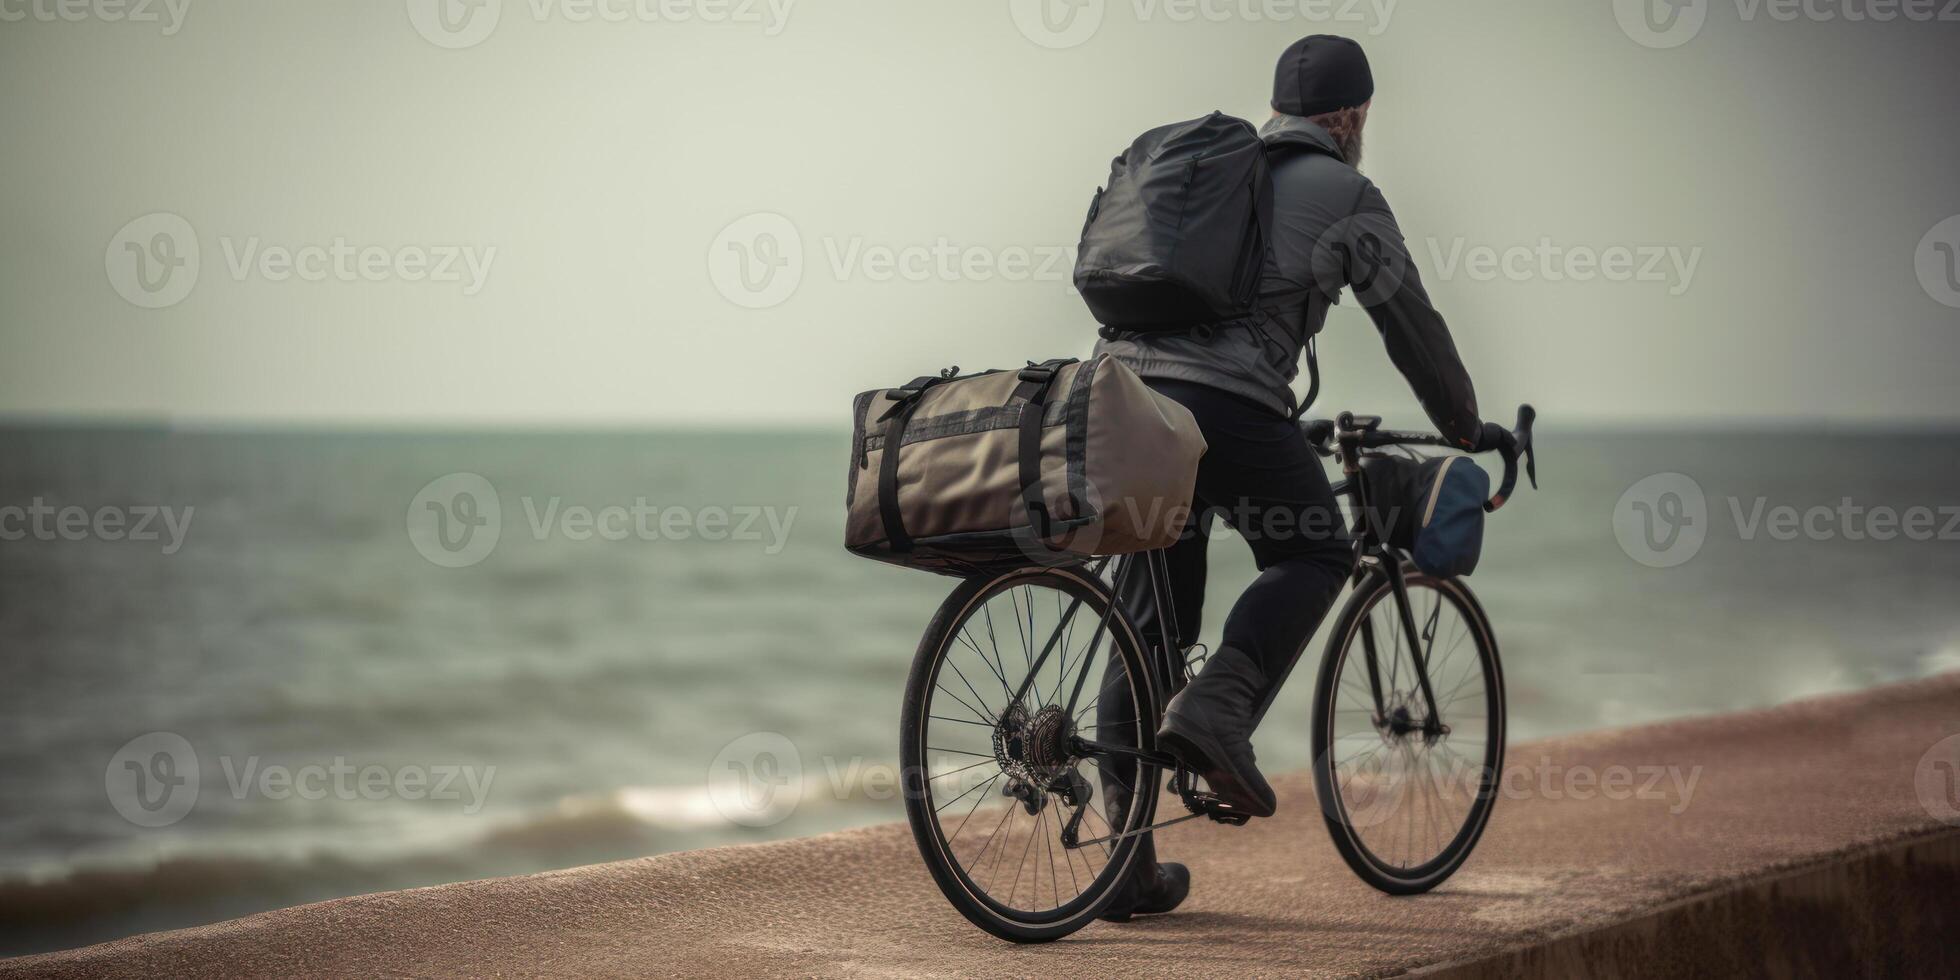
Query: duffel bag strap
[
  {"x": 905, "y": 401},
  {"x": 1037, "y": 380}
]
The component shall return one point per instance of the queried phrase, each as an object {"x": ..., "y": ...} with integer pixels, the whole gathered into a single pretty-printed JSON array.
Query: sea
[{"x": 248, "y": 670}]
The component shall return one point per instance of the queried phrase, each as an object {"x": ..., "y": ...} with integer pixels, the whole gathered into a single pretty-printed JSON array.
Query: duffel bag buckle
[{"x": 1044, "y": 371}]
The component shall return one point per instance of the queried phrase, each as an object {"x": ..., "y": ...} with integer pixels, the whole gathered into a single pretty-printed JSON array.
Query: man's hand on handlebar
[
  {"x": 1493, "y": 437},
  {"x": 1365, "y": 432}
]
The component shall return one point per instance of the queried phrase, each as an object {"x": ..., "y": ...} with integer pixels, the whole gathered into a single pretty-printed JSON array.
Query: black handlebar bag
[
  {"x": 1431, "y": 508},
  {"x": 1052, "y": 463}
]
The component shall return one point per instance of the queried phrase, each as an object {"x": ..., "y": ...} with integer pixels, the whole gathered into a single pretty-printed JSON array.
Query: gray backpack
[
  {"x": 1052, "y": 463},
  {"x": 1178, "y": 237}
]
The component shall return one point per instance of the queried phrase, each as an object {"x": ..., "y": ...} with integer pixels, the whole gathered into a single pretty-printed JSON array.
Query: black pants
[{"x": 1259, "y": 476}]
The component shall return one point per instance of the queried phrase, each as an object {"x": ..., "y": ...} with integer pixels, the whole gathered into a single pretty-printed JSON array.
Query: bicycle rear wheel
[
  {"x": 1406, "y": 796},
  {"x": 1019, "y": 823}
]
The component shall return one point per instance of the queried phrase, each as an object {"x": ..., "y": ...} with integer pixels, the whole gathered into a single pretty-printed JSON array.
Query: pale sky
[{"x": 1752, "y": 213}]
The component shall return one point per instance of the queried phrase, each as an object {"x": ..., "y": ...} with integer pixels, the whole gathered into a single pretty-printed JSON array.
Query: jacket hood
[{"x": 1297, "y": 131}]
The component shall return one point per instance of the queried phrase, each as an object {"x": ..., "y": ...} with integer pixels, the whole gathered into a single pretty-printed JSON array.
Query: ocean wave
[{"x": 102, "y": 898}]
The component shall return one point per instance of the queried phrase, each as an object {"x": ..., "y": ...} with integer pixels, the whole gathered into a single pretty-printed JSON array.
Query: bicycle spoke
[
  {"x": 991, "y": 713},
  {"x": 961, "y": 721},
  {"x": 993, "y": 664},
  {"x": 977, "y": 713},
  {"x": 969, "y": 813},
  {"x": 979, "y": 755}
]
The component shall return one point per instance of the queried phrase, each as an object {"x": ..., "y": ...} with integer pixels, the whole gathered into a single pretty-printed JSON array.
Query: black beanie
[{"x": 1320, "y": 74}]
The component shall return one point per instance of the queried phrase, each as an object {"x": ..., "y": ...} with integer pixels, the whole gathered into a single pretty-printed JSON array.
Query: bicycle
[{"x": 1091, "y": 790}]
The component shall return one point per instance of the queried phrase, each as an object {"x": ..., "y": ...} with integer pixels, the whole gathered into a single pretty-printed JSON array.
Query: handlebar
[
  {"x": 1511, "y": 444},
  {"x": 1516, "y": 443}
]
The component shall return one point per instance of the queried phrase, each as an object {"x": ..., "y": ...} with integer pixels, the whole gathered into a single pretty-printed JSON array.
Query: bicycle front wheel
[
  {"x": 1406, "y": 791},
  {"x": 1023, "y": 823}
]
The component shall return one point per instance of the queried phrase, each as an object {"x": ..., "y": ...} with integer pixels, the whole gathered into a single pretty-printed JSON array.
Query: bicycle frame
[
  {"x": 1353, "y": 436},
  {"x": 1171, "y": 671}
]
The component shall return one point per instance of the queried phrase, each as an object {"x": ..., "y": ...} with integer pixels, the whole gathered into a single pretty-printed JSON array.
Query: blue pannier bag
[{"x": 1431, "y": 508}]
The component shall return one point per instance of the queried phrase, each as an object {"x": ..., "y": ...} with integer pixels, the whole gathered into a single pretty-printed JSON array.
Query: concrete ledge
[
  {"x": 1891, "y": 911},
  {"x": 1790, "y": 841}
]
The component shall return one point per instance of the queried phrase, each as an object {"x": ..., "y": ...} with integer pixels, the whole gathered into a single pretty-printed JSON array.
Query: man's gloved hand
[{"x": 1493, "y": 436}]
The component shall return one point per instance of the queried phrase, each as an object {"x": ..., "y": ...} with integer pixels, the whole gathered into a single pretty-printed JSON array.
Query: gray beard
[{"x": 1351, "y": 149}]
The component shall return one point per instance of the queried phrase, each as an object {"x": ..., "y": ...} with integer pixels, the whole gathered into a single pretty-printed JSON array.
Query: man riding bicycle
[{"x": 1332, "y": 230}]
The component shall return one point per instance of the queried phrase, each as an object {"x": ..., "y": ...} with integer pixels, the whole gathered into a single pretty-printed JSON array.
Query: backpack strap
[{"x": 1037, "y": 382}]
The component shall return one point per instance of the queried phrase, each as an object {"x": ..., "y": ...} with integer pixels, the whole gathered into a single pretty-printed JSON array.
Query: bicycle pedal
[{"x": 1217, "y": 809}]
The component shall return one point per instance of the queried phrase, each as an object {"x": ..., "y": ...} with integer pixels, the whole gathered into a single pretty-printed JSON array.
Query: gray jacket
[{"x": 1332, "y": 230}]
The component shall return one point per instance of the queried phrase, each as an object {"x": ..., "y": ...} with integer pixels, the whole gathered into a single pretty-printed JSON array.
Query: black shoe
[
  {"x": 1208, "y": 727},
  {"x": 1164, "y": 891}
]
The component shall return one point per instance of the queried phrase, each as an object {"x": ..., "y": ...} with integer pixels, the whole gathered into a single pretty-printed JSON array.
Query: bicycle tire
[
  {"x": 1371, "y": 593},
  {"x": 978, "y": 903}
]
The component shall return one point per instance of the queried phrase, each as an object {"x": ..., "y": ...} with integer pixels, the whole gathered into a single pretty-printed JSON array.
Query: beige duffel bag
[{"x": 1102, "y": 465}]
